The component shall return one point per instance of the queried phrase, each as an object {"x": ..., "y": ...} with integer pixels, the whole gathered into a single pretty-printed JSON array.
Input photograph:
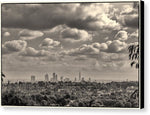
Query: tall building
[
  {"x": 46, "y": 77},
  {"x": 82, "y": 79},
  {"x": 75, "y": 79},
  {"x": 32, "y": 78},
  {"x": 89, "y": 79},
  {"x": 61, "y": 78},
  {"x": 79, "y": 76},
  {"x": 54, "y": 77}
]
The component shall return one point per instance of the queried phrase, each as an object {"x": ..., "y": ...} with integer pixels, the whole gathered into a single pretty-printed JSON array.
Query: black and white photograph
[{"x": 71, "y": 54}]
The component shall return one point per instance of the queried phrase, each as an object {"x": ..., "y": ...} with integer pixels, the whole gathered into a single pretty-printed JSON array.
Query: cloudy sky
[{"x": 67, "y": 38}]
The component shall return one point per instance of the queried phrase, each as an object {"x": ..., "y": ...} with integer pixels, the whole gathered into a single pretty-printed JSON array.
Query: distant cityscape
[
  {"x": 62, "y": 78},
  {"x": 54, "y": 77}
]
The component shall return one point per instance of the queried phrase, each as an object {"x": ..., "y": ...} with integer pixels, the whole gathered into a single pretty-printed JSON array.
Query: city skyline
[
  {"x": 51, "y": 78},
  {"x": 69, "y": 38}
]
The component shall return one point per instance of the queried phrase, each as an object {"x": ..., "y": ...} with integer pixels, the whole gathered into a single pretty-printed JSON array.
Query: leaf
[
  {"x": 130, "y": 48},
  {"x": 130, "y": 56},
  {"x": 132, "y": 63},
  {"x": 3, "y": 75},
  {"x": 133, "y": 56}
]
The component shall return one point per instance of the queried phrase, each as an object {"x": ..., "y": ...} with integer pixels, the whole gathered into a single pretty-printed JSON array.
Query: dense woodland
[{"x": 71, "y": 94}]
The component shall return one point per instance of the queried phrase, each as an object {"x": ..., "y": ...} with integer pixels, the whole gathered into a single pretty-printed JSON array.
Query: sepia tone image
[{"x": 70, "y": 54}]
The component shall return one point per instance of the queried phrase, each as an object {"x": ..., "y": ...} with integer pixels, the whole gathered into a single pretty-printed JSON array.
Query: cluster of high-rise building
[{"x": 55, "y": 78}]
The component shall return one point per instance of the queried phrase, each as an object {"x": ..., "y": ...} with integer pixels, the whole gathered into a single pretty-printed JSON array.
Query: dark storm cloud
[
  {"x": 130, "y": 15},
  {"x": 82, "y": 24},
  {"x": 34, "y": 17},
  {"x": 50, "y": 15},
  {"x": 132, "y": 21}
]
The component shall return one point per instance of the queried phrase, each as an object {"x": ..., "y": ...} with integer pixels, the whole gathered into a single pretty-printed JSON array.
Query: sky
[{"x": 91, "y": 38}]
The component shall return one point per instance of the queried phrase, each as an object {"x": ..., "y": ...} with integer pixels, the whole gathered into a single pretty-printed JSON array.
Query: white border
[{"x": 38, "y": 1}]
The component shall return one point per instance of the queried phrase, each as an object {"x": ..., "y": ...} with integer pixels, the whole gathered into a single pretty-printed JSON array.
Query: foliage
[
  {"x": 75, "y": 94},
  {"x": 2, "y": 76},
  {"x": 134, "y": 55}
]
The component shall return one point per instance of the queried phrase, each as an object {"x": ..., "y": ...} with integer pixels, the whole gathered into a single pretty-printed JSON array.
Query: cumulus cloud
[
  {"x": 133, "y": 37},
  {"x": 49, "y": 43},
  {"x": 87, "y": 50},
  {"x": 29, "y": 34},
  {"x": 6, "y": 34},
  {"x": 133, "y": 43},
  {"x": 63, "y": 32},
  {"x": 126, "y": 14},
  {"x": 134, "y": 34},
  {"x": 103, "y": 22},
  {"x": 31, "y": 52},
  {"x": 108, "y": 42},
  {"x": 128, "y": 17},
  {"x": 74, "y": 34},
  {"x": 96, "y": 45},
  {"x": 13, "y": 46},
  {"x": 102, "y": 46},
  {"x": 121, "y": 35},
  {"x": 127, "y": 9},
  {"x": 117, "y": 46},
  {"x": 93, "y": 50},
  {"x": 110, "y": 57}
]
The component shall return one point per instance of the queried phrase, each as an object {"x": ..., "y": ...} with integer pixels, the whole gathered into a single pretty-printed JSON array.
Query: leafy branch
[{"x": 134, "y": 55}]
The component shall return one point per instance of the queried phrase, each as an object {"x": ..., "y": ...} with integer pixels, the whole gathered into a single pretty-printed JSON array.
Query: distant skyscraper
[
  {"x": 32, "y": 78},
  {"x": 75, "y": 79},
  {"x": 61, "y": 78},
  {"x": 46, "y": 77},
  {"x": 82, "y": 79},
  {"x": 89, "y": 79},
  {"x": 54, "y": 77},
  {"x": 79, "y": 76}
]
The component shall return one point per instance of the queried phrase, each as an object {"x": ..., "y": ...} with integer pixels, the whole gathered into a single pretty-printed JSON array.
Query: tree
[
  {"x": 134, "y": 55},
  {"x": 2, "y": 75}
]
